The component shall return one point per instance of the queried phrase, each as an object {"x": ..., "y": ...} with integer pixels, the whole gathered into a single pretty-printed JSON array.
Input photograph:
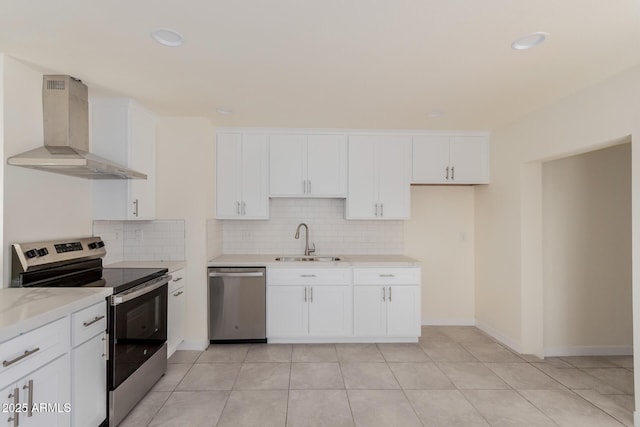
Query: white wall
[
  {"x": 440, "y": 234},
  {"x": 509, "y": 211},
  {"x": 37, "y": 205},
  {"x": 185, "y": 190},
  {"x": 587, "y": 253},
  {"x": 332, "y": 234}
]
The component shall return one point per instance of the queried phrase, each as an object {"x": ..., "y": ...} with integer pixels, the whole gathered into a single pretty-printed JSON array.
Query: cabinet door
[
  {"x": 255, "y": 177},
  {"x": 403, "y": 318},
  {"x": 287, "y": 311},
  {"x": 7, "y": 418},
  {"x": 288, "y": 164},
  {"x": 142, "y": 158},
  {"x": 394, "y": 160},
  {"x": 329, "y": 311},
  {"x": 430, "y": 159},
  {"x": 470, "y": 159},
  {"x": 175, "y": 319},
  {"x": 228, "y": 176},
  {"x": 327, "y": 165},
  {"x": 369, "y": 311},
  {"x": 89, "y": 379},
  {"x": 362, "y": 198},
  {"x": 51, "y": 384}
]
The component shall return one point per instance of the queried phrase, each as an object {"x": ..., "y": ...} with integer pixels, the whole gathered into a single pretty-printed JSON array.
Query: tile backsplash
[
  {"x": 328, "y": 229},
  {"x": 160, "y": 240}
]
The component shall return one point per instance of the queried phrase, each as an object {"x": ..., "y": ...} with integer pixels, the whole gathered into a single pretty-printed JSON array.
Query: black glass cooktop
[{"x": 121, "y": 279}]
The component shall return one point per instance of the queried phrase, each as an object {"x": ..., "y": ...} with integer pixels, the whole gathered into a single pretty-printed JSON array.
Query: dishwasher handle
[{"x": 243, "y": 274}]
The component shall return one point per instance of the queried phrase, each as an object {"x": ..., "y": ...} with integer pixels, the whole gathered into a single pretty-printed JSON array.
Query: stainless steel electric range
[{"x": 137, "y": 310}]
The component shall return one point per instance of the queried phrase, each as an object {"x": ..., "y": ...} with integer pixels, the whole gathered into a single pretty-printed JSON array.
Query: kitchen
[{"x": 489, "y": 214}]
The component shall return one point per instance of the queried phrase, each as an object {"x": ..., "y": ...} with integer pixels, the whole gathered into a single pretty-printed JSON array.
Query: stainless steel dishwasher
[{"x": 237, "y": 304}]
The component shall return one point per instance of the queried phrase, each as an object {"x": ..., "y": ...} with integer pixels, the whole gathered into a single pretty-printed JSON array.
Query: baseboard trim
[
  {"x": 611, "y": 350},
  {"x": 448, "y": 322},
  {"x": 194, "y": 345},
  {"x": 498, "y": 336}
]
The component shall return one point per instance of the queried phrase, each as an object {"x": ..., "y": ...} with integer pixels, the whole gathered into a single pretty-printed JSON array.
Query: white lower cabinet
[
  {"x": 89, "y": 365},
  {"x": 176, "y": 311},
  {"x": 309, "y": 303},
  {"x": 41, "y": 398},
  {"x": 386, "y": 302}
]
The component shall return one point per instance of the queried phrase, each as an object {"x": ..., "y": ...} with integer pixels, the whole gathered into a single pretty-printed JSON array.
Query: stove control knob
[
  {"x": 100, "y": 244},
  {"x": 31, "y": 253},
  {"x": 93, "y": 245},
  {"x": 43, "y": 252}
]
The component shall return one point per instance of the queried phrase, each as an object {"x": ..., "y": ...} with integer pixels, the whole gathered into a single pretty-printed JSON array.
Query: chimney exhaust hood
[{"x": 66, "y": 135}]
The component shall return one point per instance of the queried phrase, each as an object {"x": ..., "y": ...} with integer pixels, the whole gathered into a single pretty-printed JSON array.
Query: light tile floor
[{"x": 455, "y": 376}]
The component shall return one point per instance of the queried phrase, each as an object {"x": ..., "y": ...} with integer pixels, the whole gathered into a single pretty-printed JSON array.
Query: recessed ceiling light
[
  {"x": 224, "y": 111},
  {"x": 529, "y": 41},
  {"x": 167, "y": 37},
  {"x": 436, "y": 114}
]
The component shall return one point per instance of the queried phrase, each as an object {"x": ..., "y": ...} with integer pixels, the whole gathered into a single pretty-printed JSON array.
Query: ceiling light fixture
[
  {"x": 224, "y": 111},
  {"x": 435, "y": 114},
  {"x": 167, "y": 37},
  {"x": 529, "y": 41}
]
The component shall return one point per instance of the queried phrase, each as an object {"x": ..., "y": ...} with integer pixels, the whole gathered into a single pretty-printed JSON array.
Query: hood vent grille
[{"x": 56, "y": 85}]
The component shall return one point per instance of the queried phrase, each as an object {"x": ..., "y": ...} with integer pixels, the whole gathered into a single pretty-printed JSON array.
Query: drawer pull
[
  {"x": 307, "y": 275},
  {"x": 26, "y": 353},
  {"x": 178, "y": 293},
  {"x": 387, "y": 275},
  {"x": 91, "y": 322},
  {"x": 16, "y": 403},
  {"x": 177, "y": 279},
  {"x": 30, "y": 404}
]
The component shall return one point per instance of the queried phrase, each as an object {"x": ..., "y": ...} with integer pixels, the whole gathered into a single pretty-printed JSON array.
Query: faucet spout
[{"x": 307, "y": 250}]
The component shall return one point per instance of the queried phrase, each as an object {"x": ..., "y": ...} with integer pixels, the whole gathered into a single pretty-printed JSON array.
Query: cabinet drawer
[
  {"x": 88, "y": 323},
  {"x": 386, "y": 276},
  {"x": 309, "y": 276},
  {"x": 177, "y": 280},
  {"x": 34, "y": 348}
]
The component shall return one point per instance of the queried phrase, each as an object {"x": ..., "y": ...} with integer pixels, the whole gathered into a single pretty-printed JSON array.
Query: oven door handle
[{"x": 150, "y": 286}]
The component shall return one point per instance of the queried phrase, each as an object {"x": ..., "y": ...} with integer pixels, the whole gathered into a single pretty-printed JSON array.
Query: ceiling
[{"x": 330, "y": 63}]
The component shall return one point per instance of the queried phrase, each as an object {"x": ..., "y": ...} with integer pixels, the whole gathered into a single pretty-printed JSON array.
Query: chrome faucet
[{"x": 307, "y": 251}]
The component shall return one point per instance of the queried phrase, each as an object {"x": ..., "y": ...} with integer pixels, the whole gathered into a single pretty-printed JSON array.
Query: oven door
[{"x": 138, "y": 320}]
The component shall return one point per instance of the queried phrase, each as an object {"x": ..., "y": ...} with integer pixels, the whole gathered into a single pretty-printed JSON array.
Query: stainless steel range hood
[{"x": 66, "y": 135}]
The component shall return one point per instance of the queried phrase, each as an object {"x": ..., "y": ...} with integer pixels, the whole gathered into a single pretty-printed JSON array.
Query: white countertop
[
  {"x": 345, "y": 261},
  {"x": 24, "y": 309},
  {"x": 170, "y": 265}
]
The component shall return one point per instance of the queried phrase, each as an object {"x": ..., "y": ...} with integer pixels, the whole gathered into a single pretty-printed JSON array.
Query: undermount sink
[{"x": 307, "y": 258}]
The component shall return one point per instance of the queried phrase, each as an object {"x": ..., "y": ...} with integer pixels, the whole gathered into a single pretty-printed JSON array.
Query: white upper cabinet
[
  {"x": 379, "y": 177},
  {"x": 450, "y": 160},
  {"x": 308, "y": 165},
  {"x": 242, "y": 177},
  {"x": 124, "y": 132}
]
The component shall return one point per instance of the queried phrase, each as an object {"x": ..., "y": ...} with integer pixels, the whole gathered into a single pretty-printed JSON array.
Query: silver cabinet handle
[
  {"x": 384, "y": 294},
  {"x": 307, "y": 275},
  {"x": 244, "y": 208},
  {"x": 178, "y": 293},
  {"x": 311, "y": 299},
  {"x": 135, "y": 207},
  {"x": 447, "y": 173},
  {"x": 304, "y": 186},
  {"x": 453, "y": 169},
  {"x": 91, "y": 322},
  {"x": 177, "y": 279},
  {"x": 30, "y": 402},
  {"x": 376, "y": 209},
  {"x": 389, "y": 293},
  {"x": 16, "y": 403},
  {"x": 238, "y": 208},
  {"x": 309, "y": 186},
  {"x": 26, "y": 353},
  {"x": 105, "y": 338},
  {"x": 381, "y": 209},
  {"x": 305, "y": 294},
  {"x": 387, "y": 275}
]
